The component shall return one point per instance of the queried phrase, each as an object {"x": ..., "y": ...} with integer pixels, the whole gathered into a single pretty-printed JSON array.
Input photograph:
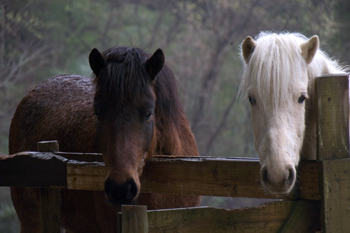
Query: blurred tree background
[{"x": 200, "y": 38}]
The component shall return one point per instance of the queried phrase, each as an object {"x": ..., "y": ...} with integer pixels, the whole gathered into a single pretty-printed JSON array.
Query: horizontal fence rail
[
  {"x": 229, "y": 177},
  {"x": 279, "y": 216}
]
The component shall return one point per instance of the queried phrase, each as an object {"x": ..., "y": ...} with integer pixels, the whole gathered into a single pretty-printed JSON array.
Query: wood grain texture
[
  {"x": 133, "y": 219},
  {"x": 229, "y": 177},
  {"x": 85, "y": 175},
  {"x": 332, "y": 117},
  {"x": 266, "y": 218},
  {"x": 50, "y": 198},
  {"x": 48, "y": 146},
  {"x": 50, "y": 210},
  {"x": 82, "y": 157},
  {"x": 336, "y": 199},
  {"x": 220, "y": 177},
  {"x": 307, "y": 187},
  {"x": 304, "y": 217},
  {"x": 333, "y": 152}
]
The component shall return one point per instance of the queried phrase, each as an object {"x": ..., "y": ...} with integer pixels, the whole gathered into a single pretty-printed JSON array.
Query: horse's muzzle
[
  {"x": 278, "y": 183},
  {"x": 121, "y": 194}
]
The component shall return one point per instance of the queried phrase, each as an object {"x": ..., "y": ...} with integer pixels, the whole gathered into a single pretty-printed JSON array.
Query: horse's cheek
[{"x": 258, "y": 122}]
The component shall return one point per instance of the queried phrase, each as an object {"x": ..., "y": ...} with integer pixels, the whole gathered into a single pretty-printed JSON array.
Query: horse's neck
[
  {"x": 308, "y": 151},
  {"x": 172, "y": 140}
]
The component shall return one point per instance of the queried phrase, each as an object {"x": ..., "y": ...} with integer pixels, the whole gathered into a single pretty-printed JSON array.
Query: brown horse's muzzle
[{"x": 121, "y": 194}]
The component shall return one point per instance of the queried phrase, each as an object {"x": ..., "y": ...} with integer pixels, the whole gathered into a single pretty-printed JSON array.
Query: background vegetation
[{"x": 200, "y": 38}]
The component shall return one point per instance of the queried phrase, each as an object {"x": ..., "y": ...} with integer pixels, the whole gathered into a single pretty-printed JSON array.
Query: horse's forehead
[
  {"x": 126, "y": 101},
  {"x": 275, "y": 75}
]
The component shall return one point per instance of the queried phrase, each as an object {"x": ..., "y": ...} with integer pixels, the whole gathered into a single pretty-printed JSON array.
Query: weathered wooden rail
[
  {"x": 230, "y": 177},
  {"x": 321, "y": 201}
]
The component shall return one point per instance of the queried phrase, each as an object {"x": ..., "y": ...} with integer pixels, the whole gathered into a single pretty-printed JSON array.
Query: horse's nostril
[
  {"x": 291, "y": 177},
  {"x": 264, "y": 175},
  {"x": 131, "y": 189},
  {"x": 119, "y": 194}
]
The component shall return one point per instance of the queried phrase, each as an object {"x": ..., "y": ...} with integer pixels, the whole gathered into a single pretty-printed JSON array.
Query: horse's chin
[
  {"x": 278, "y": 189},
  {"x": 121, "y": 202}
]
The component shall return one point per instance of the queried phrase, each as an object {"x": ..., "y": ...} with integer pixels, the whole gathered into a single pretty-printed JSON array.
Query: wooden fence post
[
  {"x": 133, "y": 219},
  {"x": 333, "y": 151},
  {"x": 50, "y": 198}
]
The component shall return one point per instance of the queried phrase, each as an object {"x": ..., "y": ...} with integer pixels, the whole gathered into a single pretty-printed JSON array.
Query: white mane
[{"x": 276, "y": 66}]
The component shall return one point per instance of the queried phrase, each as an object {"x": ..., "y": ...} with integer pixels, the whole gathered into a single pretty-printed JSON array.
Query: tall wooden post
[
  {"x": 133, "y": 219},
  {"x": 50, "y": 198},
  {"x": 333, "y": 151}
]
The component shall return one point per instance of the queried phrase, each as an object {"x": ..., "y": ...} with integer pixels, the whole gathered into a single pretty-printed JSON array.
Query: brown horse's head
[{"x": 125, "y": 104}]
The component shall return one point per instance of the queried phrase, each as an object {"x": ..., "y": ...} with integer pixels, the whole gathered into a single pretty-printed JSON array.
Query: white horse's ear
[
  {"x": 248, "y": 46},
  {"x": 309, "y": 49}
]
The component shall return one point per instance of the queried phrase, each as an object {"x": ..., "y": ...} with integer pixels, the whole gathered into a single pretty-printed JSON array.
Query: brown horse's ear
[
  {"x": 155, "y": 63},
  {"x": 97, "y": 61},
  {"x": 248, "y": 46}
]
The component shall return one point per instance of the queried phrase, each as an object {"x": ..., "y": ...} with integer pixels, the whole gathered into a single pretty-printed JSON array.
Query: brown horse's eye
[
  {"x": 148, "y": 116},
  {"x": 302, "y": 98}
]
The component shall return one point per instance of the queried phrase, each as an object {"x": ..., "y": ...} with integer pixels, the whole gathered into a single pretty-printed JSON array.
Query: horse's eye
[
  {"x": 302, "y": 98},
  {"x": 148, "y": 116},
  {"x": 252, "y": 100}
]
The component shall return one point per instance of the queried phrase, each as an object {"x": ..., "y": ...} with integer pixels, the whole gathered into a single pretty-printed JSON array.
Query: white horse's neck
[{"x": 308, "y": 151}]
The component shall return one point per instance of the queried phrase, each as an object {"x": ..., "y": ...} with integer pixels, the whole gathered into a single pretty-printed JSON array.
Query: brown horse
[{"x": 129, "y": 112}]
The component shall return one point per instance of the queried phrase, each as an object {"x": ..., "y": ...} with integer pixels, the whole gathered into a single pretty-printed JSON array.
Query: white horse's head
[{"x": 276, "y": 82}]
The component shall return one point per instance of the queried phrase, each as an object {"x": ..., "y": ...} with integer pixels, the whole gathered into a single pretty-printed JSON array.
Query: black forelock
[{"x": 124, "y": 78}]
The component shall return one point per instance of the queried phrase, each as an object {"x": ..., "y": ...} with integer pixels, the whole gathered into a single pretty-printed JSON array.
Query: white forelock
[{"x": 276, "y": 67}]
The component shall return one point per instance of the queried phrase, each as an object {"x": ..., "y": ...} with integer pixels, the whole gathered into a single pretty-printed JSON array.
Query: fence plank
[
  {"x": 50, "y": 198},
  {"x": 266, "y": 218},
  {"x": 133, "y": 219},
  {"x": 219, "y": 177},
  {"x": 33, "y": 169},
  {"x": 333, "y": 117},
  {"x": 48, "y": 146},
  {"x": 50, "y": 214},
  {"x": 333, "y": 152},
  {"x": 336, "y": 191},
  {"x": 185, "y": 175},
  {"x": 85, "y": 175},
  {"x": 304, "y": 217}
]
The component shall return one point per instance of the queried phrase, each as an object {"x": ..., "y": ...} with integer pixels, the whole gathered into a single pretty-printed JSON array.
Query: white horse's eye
[
  {"x": 302, "y": 98},
  {"x": 252, "y": 100}
]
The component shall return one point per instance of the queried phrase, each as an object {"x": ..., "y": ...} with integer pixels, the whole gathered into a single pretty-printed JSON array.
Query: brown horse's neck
[{"x": 175, "y": 138}]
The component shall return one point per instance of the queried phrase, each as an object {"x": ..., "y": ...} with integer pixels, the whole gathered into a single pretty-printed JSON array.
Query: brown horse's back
[{"x": 61, "y": 108}]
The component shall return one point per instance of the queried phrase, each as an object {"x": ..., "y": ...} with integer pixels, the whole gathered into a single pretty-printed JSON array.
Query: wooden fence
[{"x": 320, "y": 203}]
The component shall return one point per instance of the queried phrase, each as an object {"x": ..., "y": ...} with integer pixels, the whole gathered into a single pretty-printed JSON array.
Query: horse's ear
[
  {"x": 155, "y": 63},
  {"x": 248, "y": 46},
  {"x": 309, "y": 49},
  {"x": 97, "y": 61}
]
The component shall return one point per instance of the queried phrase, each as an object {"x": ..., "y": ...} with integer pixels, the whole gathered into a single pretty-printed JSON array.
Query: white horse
[{"x": 278, "y": 79}]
